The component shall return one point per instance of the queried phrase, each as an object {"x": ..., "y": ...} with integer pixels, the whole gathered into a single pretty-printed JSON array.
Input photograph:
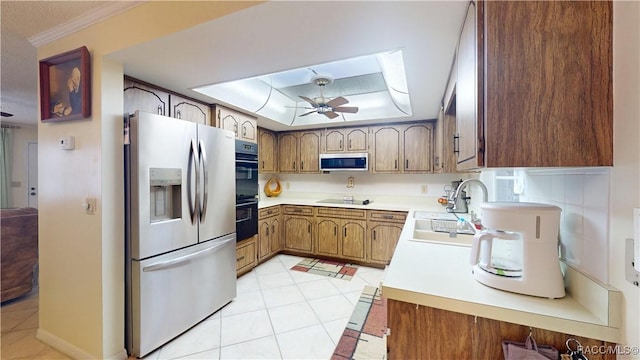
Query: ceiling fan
[{"x": 325, "y": 106}]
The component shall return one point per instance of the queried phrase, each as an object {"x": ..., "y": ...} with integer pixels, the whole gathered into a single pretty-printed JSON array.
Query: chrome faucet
[{"x": 458, "y": 201}]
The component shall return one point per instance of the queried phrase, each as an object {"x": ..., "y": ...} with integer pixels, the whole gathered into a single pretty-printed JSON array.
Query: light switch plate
[{"x": 67, "y": 143}]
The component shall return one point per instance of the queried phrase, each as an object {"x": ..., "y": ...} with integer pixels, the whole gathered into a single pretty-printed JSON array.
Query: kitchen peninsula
[{"x": 437, "y": 310}]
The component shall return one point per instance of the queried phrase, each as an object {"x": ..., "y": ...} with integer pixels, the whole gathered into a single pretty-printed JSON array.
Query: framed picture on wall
[{"x": 65, "y": 86}]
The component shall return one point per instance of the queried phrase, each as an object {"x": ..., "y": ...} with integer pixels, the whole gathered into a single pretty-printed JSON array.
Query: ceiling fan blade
[
  {"x": 346, "y": 109},
  {"x": 310, "y": 112},
  {"x": 331, "y": 114},
  {"x": 337, "y": 102},
  {"x": 313, "y": 103}
]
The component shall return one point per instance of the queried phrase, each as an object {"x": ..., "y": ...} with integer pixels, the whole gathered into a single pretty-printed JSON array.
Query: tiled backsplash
[{"x": 583, "y": 196}]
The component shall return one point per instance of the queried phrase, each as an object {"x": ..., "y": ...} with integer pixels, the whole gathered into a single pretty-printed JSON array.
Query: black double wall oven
[{"x": 246, "y": 189}]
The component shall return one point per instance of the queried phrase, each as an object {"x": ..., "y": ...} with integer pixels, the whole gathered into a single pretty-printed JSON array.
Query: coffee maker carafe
[{"x": 518, "y": 249}]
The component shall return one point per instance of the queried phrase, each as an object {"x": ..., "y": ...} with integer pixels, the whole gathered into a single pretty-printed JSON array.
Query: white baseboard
[{"x": 72, "y": 350}]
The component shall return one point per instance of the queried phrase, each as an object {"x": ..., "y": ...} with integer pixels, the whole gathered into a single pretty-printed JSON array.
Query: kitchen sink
[{"x": 423, "y": 232}]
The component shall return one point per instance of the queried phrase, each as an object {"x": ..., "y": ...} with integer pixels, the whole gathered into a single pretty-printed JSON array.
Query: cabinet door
[
  {"x": 353, "y": 239},
  {"x": 309, "y": 152},
  {"x": 189, "y": 110},
  {"x": 549, "y": 99},
  {"x": 248, "y": 130},
  {"x": 382, "y": 240},
  {"x": 298, "y": 235},
  {"x": 267, "y": 151},
  {"x": 144, "y": 98},
  {"x": 246, "y": 257},
  {"x": 227, "y": 120},
  {"x": 333, "y": 141},
  {"x": 386, "y": 149},
  {"x": 287, "y": 152},
  {"x": 417, "y": 146},
  {"x": 356, "y": 139},
  {"x": 275, "y": 240},
  {"x": 327, "y": 236},
  {"x": 264, "y": 234},
  {"x": 468, "y": 117}
]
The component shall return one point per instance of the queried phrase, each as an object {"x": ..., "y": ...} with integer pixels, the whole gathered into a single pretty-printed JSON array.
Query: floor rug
[
  {"x": 364, "y": 337},
  {"x": 333, "y": 269}
]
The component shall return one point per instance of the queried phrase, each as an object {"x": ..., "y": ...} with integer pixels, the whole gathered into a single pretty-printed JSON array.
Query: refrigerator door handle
[
  {"x": 205, "y": 179},
  {"x": 185, "y": 258},
  {"x": 190, "y": 198}
]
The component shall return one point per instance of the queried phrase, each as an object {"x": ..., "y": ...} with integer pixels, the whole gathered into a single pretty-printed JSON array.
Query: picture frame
[{"x": 65, "y": 86}]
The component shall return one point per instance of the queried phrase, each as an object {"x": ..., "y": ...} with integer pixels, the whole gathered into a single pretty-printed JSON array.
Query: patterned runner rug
[
  {"x": 334, "y": 269},
  {"x": 364, "y": 337}
]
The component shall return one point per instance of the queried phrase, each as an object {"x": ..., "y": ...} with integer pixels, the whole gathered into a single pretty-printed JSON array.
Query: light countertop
[
  {"x": 378, "y": 202},
  {"x": 438, "y": 274}
]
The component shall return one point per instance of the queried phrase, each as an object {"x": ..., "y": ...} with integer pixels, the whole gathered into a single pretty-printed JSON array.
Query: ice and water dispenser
[{"x": 165, "y": 193}]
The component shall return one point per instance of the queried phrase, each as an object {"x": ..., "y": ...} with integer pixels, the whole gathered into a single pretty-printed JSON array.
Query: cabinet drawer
[
  {"x": 341, "y": 212},
  {"x": 298, "y": 210},
  {"x": 269, "y": 211},
  {"x": 246, "y": 257},
  {"x": 388, "y": 216}
]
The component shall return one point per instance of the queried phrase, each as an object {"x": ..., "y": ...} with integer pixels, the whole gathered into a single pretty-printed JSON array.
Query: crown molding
[{"x": 83, "y": 21}]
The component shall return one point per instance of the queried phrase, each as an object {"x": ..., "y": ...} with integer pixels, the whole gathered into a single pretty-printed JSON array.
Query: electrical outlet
[
  {"x": 424, "y": 189},
  {"x": 286, "y": 185}
]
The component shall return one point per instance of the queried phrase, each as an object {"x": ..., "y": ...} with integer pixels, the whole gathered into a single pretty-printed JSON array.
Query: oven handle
[
  {"x": 247, "y": 161},
  {"x": 247, "y": 203}
]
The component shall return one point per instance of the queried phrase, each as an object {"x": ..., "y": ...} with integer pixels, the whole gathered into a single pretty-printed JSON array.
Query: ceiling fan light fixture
[{"x": 322, "y": 80}]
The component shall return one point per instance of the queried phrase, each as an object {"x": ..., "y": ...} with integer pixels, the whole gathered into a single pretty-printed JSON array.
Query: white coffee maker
[{"x": 518, "y": 249}]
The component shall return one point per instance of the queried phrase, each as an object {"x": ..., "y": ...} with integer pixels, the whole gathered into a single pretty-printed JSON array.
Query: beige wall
[
  {"x": 19, "y": 174},
  {"x": 625, "y": 174},
  {"x": 82, "y": 256}
]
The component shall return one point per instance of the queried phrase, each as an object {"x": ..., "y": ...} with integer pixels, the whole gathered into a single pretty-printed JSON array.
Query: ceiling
[{"x": 271, "y": 37}]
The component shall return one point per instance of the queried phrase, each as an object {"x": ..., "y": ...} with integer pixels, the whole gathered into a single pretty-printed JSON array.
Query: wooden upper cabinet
[
  {"x": 402, "y": 148},
  {"x": 386, "y": 149},
  {"x": 333, "y": 141},
  {"x": 339, "y": 140},
  {"x": 287, "y": 152},
  {"x": 138, "y": 96},
  {"x": 469, "y": 139},
  {"x": 244, "y": 126},
  {"x": 417, "y": 145},
  {"x": 309, "y": 151},
  {"x": 186, "y": 109},
  {"x": 299, "y": 152},
  {"x": 546, "y": 68},
  {"x": 267, "y": 151},
  {"x": 556, "y": 80}
]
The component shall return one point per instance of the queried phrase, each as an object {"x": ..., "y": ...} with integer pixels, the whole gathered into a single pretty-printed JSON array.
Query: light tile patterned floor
[{"x": 278, "y": 314}]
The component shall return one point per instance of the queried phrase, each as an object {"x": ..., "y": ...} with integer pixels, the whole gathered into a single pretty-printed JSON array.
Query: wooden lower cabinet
[
  {"x": 298, "y": 225},
  {"x": 383, "y": 233},
  {"x": 342, "y": 238},
  {"x": 269, "y": 239},
  {"x": 421, "y": 332},
  {"x": 246, "y": 255}
]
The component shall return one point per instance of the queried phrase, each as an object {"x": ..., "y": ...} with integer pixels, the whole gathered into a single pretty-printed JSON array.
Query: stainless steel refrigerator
[{"x": 180, "y": 227}]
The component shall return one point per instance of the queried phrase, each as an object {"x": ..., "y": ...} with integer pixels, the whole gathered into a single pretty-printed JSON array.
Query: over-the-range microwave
[{"x": 344, "y": 162}]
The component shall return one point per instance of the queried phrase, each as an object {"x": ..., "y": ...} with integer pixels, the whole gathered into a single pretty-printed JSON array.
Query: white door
[{"x": 32, "y": 174}]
